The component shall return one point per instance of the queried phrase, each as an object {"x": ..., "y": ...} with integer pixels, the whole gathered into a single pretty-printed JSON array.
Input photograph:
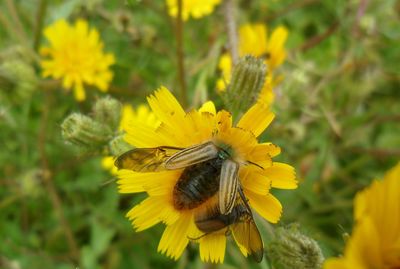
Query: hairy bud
[
  {"x": 291, "y": 249},
  {"x": 107, "y": 110},
  {"x": 247, "y": 81},
  {"x": 85, "y": 132}
]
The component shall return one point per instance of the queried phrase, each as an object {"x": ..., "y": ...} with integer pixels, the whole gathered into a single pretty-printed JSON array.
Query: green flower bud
[
  {"x": 118, "y": 146},
  {"x": 291, "y": 249},
  {"x": 248, "y": 77},
  {"x": 85, "y": 132},
  {"x": 19, "y": 77},
  {"x": 107, "y": 110}
]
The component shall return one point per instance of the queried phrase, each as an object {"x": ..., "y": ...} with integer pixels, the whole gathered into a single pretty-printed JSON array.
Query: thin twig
[
  {"x": 48, "y": 180},
  {"x": 291, "y": 7},
  {"x": 229, "y": 13},
  {"x": 179, "y": 54},
  {"x": 39, "y": 23},
  {"x": 315, "y": 40},
  {"x": 379, "y": 153}
]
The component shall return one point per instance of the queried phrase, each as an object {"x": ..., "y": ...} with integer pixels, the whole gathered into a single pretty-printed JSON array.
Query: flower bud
[
  {"x": 85, "y": 132},
  {"x": 19, "y": 77},
  {"x": 107, "y": 110},
  {"x": 118, "y": 146},
  {"x": 291, "y": 249},
  {"x": 247, "y": 81}
]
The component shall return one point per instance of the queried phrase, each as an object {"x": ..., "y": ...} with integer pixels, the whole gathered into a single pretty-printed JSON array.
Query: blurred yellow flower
[
  {"x": 76, "y": 56},
  {"x": 180, "y": 129},
  {"x": 375, "y": 241},
  {"x": 141, "y": 115},
  {"x": 193, "y": 8},
  {"x": 253, "y": 41}
]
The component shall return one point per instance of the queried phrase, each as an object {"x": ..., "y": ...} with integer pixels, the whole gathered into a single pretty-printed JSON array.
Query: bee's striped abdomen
[{"x": 197, "y": 183}]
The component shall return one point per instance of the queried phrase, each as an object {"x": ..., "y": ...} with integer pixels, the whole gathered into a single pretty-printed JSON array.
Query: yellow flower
[
  {"x": 184, "y": 129},
  {"x": 375, "y": 241},
  {"x": 142, "y": 115},
  {"x": 194, "y": 8},
  {"x": 253, "y": 41},
  {"x": 76, "y": 56}
]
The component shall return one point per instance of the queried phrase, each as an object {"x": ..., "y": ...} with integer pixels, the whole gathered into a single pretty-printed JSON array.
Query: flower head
[
  {"x": 193, "y": 8},
  {"x": 76, "y": 56},
  {"x": 182, "y": 129},
  {"x": 253, "y": 40},
  {"x": 375, "y": 240}
]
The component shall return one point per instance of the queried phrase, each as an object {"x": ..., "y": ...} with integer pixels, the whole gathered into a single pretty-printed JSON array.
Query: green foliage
[{"x": 337, "y": 123}]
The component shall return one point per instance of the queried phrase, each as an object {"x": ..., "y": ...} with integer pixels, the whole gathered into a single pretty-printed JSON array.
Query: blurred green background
[{"x": 338, "y": 115}]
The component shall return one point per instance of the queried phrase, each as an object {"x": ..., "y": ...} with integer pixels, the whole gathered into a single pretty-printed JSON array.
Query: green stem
[
  {"x": 41, "y": 12},
  {"x": 179, "y": 54}
]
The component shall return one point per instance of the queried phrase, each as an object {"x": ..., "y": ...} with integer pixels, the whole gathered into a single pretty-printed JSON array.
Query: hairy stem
[{"x": 229, "y": 12}]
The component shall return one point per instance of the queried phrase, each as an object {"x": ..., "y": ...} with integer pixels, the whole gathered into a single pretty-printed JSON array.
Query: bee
[
  {"x": 208, "y": 169},
  {"x": 240, "y": 224}
]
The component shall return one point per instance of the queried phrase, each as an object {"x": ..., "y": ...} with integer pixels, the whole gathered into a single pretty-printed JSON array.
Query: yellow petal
[
  {"x": 282, "y": 176},
  {"x": 208, "y": 107},
  {"x": 166, "y": 107},
  {"x": 212, "y": 247},
  {"x": 142, "y": 135},
  {"x": 79, "y": 92},
  {"x": 174, "y": 239},
  {"x": 148, "y": 213},
  {"x": 253, "y": 39},
  {"x": 335, "y": 263},
  {"x": 224, "y": 120},
  {"x": 266, "y": 205},
  {"x": 108, "y": 164},
  {"x": 254, "y": 181},
  {"x": 265, "y": 151},
  {"x": 132, "y": 182},
  {"x": 257, "y": 118}
]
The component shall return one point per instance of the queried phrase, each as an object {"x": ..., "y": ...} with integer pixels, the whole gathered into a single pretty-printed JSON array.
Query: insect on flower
[
  {"x": 239, "y": 222},
  {"x": 207, "y": 170}
]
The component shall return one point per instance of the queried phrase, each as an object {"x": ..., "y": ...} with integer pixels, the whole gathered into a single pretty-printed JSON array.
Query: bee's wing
[
  {"x": 228, "y": 186},
  {"x": 145, "y": 159},
  {"x": 192, "y": 155},
  {"x": 246, "y": 234}
]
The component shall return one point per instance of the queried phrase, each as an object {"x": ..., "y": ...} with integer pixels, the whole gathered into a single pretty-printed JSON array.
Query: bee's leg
[
  {"x": 244, "y": 199},
  {"x": 197, "y": 238},
  {"x": 255, "y": 164},
  {"x": 228, "y": 232}
]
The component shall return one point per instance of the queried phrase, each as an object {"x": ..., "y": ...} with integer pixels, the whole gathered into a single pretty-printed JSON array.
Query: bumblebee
[{"x": 208, "y": 169}]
